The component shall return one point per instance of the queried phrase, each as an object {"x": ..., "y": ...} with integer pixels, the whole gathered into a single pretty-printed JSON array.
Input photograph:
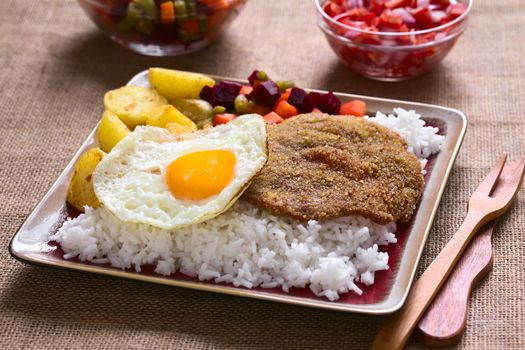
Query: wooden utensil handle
[
  {"x": 445, "y": 320},
  {"x": 396, "y": 330}
]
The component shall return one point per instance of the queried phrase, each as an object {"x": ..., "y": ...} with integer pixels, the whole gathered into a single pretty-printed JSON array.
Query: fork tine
[
  {"x": 510, "y": 180},
  {"x": 515, "y": 174},
  {"x": 489, "y": 182}
]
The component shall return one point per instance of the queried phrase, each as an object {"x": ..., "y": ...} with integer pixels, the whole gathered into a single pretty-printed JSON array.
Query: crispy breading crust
[{"x": 322, "y": 167}]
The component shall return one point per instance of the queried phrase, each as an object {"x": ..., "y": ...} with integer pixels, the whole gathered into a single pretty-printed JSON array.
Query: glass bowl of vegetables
[
  {"x": 392, "y": 40},
  {"x": 162, "y": 27}
]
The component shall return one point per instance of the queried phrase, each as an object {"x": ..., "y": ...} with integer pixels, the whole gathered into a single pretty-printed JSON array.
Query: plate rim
[{"x": 30, "y": 259}]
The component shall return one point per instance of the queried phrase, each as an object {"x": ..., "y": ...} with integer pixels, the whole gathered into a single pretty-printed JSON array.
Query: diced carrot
[
  {"x": 261, "y": 110},
  {"x": 223, "y": 118},
  {"x": 316, "y": 110},
  {"x": 167, "y": 13},
  {"x": 356, "y": 108},
  {"x": 245, "y": 90},
  {"x": 285, "y": 110},
  {"x": 284, "y": 96},
  {"x": 273, "y": 118}
]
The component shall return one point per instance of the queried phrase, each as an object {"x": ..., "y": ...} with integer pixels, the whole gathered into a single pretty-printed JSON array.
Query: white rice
[
  {"x": 248, "y": 247},
  {"x": 422, "y": 140}
]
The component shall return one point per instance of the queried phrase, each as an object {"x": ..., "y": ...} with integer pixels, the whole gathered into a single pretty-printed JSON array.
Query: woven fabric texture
[{"x": 55, "y": 68}]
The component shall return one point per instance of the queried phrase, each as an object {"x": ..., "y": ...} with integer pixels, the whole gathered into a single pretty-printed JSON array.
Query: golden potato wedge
[
  {"x": 133, "y": 104},
  {"x": 110, "y": 131},
  {"x": 80, "y": 191},
  {"x": 174, "y": 84},
  {"x": 169, "y": 114},
  {"x": 196, "y": 109}
]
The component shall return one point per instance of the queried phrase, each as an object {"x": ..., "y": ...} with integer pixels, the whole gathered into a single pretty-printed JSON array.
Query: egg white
[{"x": 131, "y": 180}]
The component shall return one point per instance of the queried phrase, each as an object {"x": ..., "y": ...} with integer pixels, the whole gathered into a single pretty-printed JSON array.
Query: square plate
[{"x": 385, "y": 296}]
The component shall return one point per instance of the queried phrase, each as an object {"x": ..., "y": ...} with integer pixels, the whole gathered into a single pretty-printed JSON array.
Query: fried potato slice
[
  {"x": 80, "y": 191},
  {"x": 174, "y": 84},
  {"x": 133, "y": 104},
  {"x": 169, "y": 114},
  {"x": 110, "y": 131}
]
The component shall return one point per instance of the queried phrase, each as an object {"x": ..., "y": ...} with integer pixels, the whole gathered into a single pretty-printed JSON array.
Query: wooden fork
[{"x": 485, "y": 205}]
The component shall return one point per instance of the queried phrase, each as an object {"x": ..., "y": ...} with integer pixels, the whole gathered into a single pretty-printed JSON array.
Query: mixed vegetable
[
  {"x": 161, "y": 22},
  {"x": 274, "y": 100}
]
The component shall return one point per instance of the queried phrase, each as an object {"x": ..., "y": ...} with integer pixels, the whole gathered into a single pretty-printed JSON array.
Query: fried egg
[{"x": 167, "y": 181}]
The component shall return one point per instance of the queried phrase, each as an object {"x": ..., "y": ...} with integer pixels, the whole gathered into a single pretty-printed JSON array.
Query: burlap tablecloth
[{"x": 55, "y": 68}]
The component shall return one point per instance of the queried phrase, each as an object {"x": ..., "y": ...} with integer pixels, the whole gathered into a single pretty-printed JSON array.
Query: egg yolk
[{"x": 200, "y": 175}]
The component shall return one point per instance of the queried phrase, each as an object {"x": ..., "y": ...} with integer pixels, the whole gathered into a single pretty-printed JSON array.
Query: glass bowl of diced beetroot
[
  {"x": 162, "y": 27},
  {"x": 392, "y": 40}
]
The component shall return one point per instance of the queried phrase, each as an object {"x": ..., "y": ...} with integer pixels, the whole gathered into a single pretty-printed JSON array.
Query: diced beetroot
[
  {"x": 303, "y": 101},
  {"x": 206, "y": 93},
  {"x": 228, "y": 85},
  {"x": 329, "y": 103},
  {"x": 266, "y": 93},
  {"x": 253, "y": 77},
  {"x": 222, "y": 94},
  {"x": 314, "y": 98},
  {"x": 297, "y": 99},
  {"x": 456, "y": 10}
]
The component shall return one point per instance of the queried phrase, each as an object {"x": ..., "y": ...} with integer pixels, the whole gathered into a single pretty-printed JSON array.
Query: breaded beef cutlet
[{"x": 322, "y": 167}]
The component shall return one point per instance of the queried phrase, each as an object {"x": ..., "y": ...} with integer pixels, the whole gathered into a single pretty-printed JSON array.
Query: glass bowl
[
  {"x": 160, "y": 27},
  {"x": 391, "y": 56}
]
